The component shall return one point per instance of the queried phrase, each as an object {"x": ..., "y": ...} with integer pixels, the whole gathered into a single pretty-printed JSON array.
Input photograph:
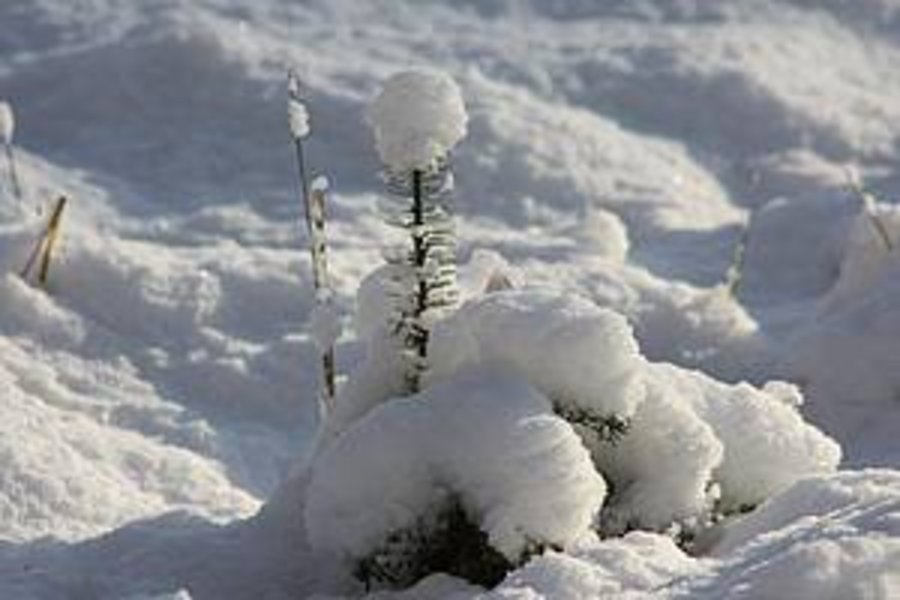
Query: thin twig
[{"x": 314, "y": 214}]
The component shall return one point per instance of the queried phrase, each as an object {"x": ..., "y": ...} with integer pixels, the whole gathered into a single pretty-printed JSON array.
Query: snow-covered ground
[{"x": 158, "y": 401}]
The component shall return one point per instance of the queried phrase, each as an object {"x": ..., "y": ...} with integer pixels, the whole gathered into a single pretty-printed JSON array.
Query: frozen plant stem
[
  {"x": 735, "y": 274},
  {"x": 13, "y": 175},
  {"x": 317, "y": 248},
  {"x": 420, "y": 339},
  {"x": 314, "y": 213}
]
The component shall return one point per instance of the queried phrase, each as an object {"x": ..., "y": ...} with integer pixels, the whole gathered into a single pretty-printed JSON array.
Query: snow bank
[
  {"x": 520, "y": 472},
  {"x": 826, "y": 537},
  {"x": 418, "y": 116}
]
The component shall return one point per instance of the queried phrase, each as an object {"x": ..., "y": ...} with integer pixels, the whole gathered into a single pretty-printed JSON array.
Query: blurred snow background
[{"x": 615, "y": 149}]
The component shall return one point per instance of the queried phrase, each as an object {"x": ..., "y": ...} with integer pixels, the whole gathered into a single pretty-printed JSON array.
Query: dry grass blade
[{"x": 45, "y": 244}]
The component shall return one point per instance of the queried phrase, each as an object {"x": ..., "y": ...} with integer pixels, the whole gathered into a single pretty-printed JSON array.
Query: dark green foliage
[
  {"x": 608, "y": 428},
  {"x": 448, "y": 542}
]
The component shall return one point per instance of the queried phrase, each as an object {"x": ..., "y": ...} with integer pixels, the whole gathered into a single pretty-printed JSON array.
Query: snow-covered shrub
[
  {"x": 481, "y": 442},
  {"x": 417, "y": 119},
  {"x": 521, "y": 378},
  {"x": 536, "y": 423}
]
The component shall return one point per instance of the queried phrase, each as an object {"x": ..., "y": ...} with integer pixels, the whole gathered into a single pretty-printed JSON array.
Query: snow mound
[
  {"x": 767, "y": 443},
  {"x": 418, "y": 116},
  {"x": 520, "y": 472},
  {"x": 579, "y": 355}
]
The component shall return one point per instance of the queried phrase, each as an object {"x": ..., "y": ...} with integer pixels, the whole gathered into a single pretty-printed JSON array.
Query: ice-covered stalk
[
  {"x": 417, "y": 119},
  {"x": 7, "y": 128},
  {"x": 327, "y": 329},
  {"x": 313, "y": 195}
]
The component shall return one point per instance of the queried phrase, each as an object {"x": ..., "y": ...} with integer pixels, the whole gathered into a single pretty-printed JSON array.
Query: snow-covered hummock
[
  {"x": 488, "y": 438},
  {"x": 7, "y": 123},
  {"x": 418, "y": 116}
]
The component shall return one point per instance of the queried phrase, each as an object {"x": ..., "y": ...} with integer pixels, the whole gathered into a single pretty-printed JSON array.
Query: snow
[
  {"x": 418, "y": 116},
  {"x": 159, "y": 417}
]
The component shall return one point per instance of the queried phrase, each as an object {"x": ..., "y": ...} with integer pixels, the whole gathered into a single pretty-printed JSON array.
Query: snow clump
[
  {"x": 579, "y": 355},
  {"x": 418, "y": 117}
]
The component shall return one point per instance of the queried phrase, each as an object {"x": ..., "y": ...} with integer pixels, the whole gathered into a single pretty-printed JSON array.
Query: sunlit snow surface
[{"x": 614, "y": 149}]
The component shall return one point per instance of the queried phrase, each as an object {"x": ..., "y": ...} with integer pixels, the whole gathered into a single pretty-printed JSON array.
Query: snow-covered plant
[
  {"x": 325, "y": 323},
  {"x": 541, "y": 426},
  {"x": 7, "y": 129},
  {"x": 417, "y": 119}
]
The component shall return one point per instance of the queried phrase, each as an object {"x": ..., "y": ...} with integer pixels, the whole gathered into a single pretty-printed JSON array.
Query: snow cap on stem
[
  {"x": 298, "y": 115},
  {"x": 7, "y": 122},
  {"x": 417, "y": 117}
]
